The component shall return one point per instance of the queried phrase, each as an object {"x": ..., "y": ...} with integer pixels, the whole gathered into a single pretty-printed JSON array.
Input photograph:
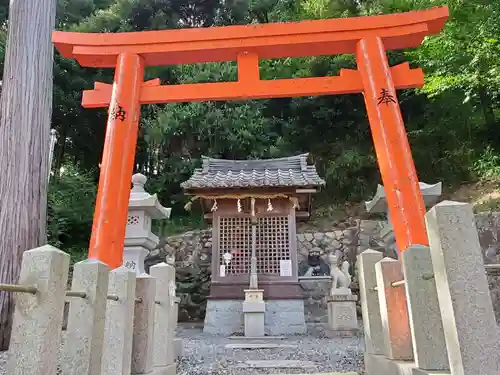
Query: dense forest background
[{"x": 452, "y": 122}]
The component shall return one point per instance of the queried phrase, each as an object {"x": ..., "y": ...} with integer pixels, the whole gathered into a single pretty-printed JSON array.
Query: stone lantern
[
  {"x": 430, "y": 195},
  {"x": 142, "y": 209}
]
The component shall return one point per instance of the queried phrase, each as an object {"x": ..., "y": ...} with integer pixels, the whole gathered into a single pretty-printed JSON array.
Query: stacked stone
[
  {"x": 192, "y": 253},
  {"x": 326, "y": 242}
]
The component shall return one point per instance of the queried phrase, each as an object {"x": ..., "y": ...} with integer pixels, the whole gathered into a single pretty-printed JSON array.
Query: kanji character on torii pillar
[{"x": 367, "y": 37}]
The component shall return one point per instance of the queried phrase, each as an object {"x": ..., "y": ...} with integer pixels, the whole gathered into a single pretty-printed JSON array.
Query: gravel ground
[
  {"x": 206, "y": 355},
  {"x": 3, "y": 363}
]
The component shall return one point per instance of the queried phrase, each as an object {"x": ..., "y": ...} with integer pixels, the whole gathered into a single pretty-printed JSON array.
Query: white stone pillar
[
  {"x": 37, "y": 325},
  {"x": 144, "y": 315},
  {"x": 164, "y": 324},
  {"x": 370, "y": 306},
  {"x": 179, "y": 349},
  {"x": 86, "y": 317},
  {"x": 470, "y": 330},
  {"x": 119, "y": 326},
  {"x": 423, "y": 310}
]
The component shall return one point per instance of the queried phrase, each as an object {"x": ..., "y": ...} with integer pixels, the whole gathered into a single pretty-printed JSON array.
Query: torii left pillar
[{"x": 110, "y": 219}]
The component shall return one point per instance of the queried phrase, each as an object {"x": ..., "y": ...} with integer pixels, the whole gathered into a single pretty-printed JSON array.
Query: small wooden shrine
[{"x": 253, "y": 206}]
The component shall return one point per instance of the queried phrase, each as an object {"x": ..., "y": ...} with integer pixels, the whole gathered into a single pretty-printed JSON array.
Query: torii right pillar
[{"x": 404, "y": 199}]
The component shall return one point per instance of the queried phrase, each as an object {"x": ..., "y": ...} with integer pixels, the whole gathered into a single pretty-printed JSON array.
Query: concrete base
[
  {"x": 282, "y": 317},
  {"x": 285, "y": 317},
  {"x": 223, "y": 317},
  {"x": 254, "y": 324},
  {"x": 166, "y": 370},
  {"x": 381, "y": 365}
]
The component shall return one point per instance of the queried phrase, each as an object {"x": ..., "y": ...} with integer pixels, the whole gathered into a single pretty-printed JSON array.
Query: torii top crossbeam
[
  {"x": 268, "y": 41},
  {"x": 367, "y": 37}
]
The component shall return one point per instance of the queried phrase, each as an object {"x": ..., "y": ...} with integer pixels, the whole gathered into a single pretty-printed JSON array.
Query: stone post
[
  {"x": 144, "y": 315},
  {"x": 470, "y": 330},
  {"x": 393, "y": 312},
  {"x": 164, "y": 324},
  {"x": 423, "y": 310},
  {"x": 37, "y": 325},
  {"x": 179, "y": 350},
  {"x": 86, "y": 317},
  {"x": 118, "y": 332},
  {"x": 139, "y": 240},
  {"x": 370, "y": 306},
  {"x": 254, "y": 308}
]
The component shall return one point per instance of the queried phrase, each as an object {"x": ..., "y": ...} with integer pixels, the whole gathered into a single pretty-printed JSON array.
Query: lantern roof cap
[
  {"x": 430, "y": 194},
  {"x": 141, "y": 200}
]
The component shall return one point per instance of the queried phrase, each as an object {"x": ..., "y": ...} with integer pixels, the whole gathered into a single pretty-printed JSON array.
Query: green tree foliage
[
  {"x": 452, "y": 122},
  {"x": 71, "y": 202}
]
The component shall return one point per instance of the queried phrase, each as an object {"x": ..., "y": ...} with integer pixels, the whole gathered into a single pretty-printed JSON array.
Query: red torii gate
[{"x": 367, "y": 37}]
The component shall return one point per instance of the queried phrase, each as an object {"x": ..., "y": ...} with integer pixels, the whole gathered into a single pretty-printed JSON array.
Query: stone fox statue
[{"x": 341, "y": 279}]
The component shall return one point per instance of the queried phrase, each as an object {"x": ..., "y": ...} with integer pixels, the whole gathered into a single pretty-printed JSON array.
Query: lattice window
[
  {"x": 273, "y": 244},
  {"x": 132, "y": 220},
  {"x": 235, "y": 237}
]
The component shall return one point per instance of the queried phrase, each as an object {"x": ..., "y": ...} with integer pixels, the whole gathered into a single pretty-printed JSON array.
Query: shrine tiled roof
[{"x": 267, "y": 173}]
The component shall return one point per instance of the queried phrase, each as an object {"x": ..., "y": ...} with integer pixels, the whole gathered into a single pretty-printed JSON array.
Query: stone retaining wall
[{"x": 193, "y": 253}]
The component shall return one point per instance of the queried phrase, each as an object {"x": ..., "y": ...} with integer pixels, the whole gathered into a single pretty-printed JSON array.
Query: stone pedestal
[
  {"x": 254, "y": 308},
  {"x": 133, "y": 258},
  {"x": 342, "y": 319}
]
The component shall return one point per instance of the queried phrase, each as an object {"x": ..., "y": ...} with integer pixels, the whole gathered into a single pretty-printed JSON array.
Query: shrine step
[
  {"x": 244, "y": 338},
  {"x": 258, "y": 345},
  {"x": 281, "y": 364}
]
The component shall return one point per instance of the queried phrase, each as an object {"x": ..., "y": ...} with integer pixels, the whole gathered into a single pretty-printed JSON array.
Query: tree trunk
[{"x": 26, "y": 108}]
